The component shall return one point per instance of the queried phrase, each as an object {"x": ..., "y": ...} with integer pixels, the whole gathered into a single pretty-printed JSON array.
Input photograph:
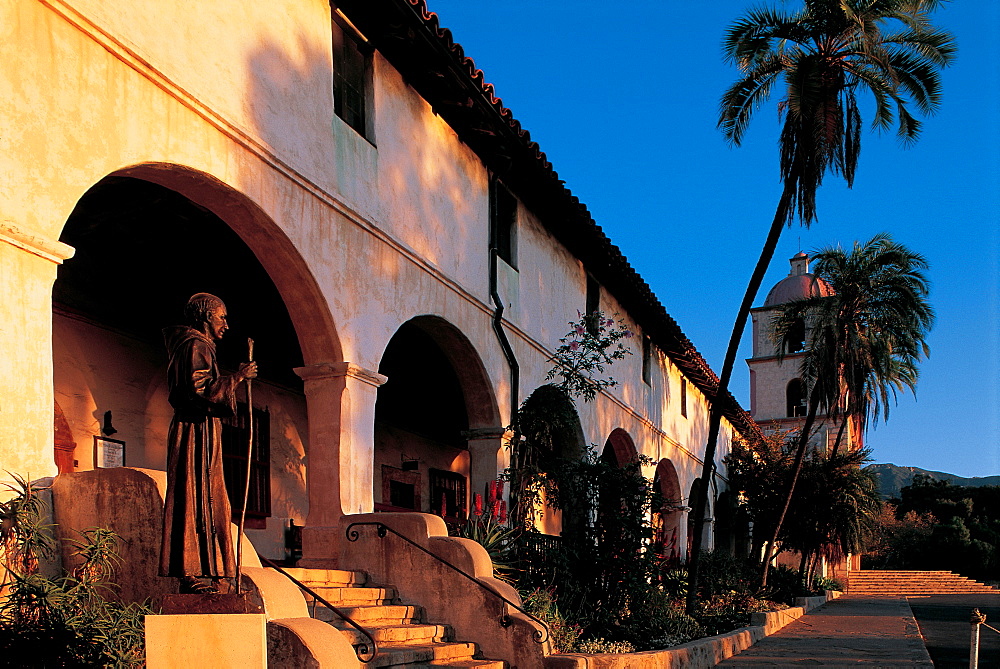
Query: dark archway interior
[
  {"x": 619, "y": 449},
  {"x": 142, "y": 250},
  {"x": 795, "y": 399},
  {"x": 423, "y": 394}
]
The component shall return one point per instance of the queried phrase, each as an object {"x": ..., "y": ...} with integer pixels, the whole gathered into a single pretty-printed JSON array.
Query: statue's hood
[{"x": 177, "y": 335}]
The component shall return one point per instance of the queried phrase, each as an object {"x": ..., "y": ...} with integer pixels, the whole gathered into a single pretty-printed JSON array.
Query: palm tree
[
  {"x": 825, "y": 55},
  {"x": 841, "y": 512},
  {"x": 864, "y": 341}
]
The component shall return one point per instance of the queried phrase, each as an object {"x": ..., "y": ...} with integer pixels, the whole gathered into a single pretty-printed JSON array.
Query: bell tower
[{"x": 778, "y": 396}]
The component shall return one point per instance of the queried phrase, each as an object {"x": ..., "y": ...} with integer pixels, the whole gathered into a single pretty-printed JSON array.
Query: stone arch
[
  {"x": 64, "y": 444},
  {"x": 301, "y": 294},
  {"x": 667, "y": 518},
  {"x": 695, "y": 490},
  {"x": 551, "y": 429},
  {"x": 437, "y": 421},
  {"x": 619, "y": 449},
  {"x": 795, "y": 399},
  {"x": 293, "y": 325}
]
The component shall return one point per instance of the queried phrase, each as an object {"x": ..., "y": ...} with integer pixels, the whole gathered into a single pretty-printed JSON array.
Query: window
[
  {"x": 795, "y": 399},
  {"x": 684, "y": 397},
  {"x": 593, "y": 303},
  {"x": 352, "y": 79},
  {"x": 503, "y": 223},
  {"x": 647, "y": 361},
  {"x": 235, "y": 440},
  {"x": 400, "y": 490},
  {"x": 796, "y": 339},
  {"x": 447, "y": 494}
]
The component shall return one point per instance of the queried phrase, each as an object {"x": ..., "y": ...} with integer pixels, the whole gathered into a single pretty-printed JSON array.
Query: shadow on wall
[{"x": 408, "y": 171}]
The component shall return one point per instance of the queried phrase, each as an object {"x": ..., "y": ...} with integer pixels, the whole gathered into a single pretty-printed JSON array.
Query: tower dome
[{"x": 798, "y": 285}]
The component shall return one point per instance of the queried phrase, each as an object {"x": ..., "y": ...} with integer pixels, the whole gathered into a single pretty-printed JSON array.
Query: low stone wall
[{"x": 698, "y": 654}]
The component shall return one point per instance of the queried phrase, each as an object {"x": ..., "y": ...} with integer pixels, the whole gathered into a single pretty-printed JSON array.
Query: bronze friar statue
[{"x": 197, "y": 543}]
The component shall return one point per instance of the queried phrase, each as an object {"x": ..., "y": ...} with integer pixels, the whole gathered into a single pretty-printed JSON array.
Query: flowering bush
[{"x": 593, "y": 343}]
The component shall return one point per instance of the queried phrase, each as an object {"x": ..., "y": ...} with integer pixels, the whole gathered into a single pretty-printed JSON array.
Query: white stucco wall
[{"x": 240, "y": 92}]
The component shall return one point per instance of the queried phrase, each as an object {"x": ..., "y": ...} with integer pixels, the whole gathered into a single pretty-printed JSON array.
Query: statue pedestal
[
  {"x": 208, "y": 604},
  {"x": 226, "y": 641}
]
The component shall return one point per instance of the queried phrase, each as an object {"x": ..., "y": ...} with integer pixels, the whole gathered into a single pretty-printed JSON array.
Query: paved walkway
[{"x": 846, "y": 632}]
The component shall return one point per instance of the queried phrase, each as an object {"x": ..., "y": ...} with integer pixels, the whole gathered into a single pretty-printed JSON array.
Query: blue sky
[{"x": 622, "y": 98}]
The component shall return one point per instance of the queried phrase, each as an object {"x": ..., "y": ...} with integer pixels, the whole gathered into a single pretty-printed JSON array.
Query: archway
[
  {"x": 667, "y": 518},
  {"x": 436, "y": 398},
  {"x": 795, "y": 399},
  {"x": 146, "y": 238},
  {"x": 551, "y": 431},
  {"x": 707, "y": 533},
  {"x": 619, "y": 449}
]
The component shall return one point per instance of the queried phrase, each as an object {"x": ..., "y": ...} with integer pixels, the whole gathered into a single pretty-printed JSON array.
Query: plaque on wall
[{"x": 108, "y": 452}]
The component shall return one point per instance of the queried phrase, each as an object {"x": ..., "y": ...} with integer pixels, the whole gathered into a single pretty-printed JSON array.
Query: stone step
[
  {"x": 896, "y": 583},
  {"x": 414, "y": 633},
  {"x": 403, "y": 639},
  {"x": 353, "y": 596},
  {"x": 328, "y": 577},
  {"x": 372, "y": 616},
  {"x": 460, "y": 664},
  {"x": 407, "y": 655}
]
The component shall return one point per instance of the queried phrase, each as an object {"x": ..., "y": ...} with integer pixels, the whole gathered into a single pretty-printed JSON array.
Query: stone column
[
  {"x": 28, "y": 264},
  {"x": 487, "y": 457},
  {"x": 340, "y": 401}
]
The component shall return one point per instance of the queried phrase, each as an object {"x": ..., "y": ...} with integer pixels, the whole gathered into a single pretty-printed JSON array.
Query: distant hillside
[{"x": 892, "y": 479}]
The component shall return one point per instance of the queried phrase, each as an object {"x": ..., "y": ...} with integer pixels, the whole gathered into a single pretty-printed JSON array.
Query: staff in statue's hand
[{"x": 246, "y": 482}]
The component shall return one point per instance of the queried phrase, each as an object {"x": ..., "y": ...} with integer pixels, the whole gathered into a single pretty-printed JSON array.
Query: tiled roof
[{"x": 412, "y": 39}]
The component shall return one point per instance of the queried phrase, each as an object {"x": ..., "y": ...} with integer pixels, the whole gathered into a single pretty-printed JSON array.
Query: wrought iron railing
[
  {"x": 533, "y": 552},
  {"x": 366, "y": 652},
  {"x": 540, "y": 636}
]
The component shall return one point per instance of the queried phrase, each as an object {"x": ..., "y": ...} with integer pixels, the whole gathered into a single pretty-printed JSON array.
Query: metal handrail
[
  {"x": 362, "y": 650},
  {"x": 540, "y": 635}
]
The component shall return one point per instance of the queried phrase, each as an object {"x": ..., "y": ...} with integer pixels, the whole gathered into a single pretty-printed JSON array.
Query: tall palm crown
[
  {"x": 866, "y": 340},
  {"x": 826, "y": 53}
]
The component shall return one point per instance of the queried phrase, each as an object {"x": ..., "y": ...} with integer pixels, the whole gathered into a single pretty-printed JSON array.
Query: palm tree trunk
[
  {"x": 781, "y": 216},
  {"x": 800, "y": 451},
  {"x": 840, "y": 434}
]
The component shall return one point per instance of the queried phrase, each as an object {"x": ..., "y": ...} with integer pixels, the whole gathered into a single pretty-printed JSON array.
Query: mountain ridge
[{"x": 893, "y": 478}]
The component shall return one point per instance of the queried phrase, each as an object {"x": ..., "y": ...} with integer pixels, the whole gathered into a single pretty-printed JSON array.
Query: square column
[
  {"x": 340, "y": 401},
  {"x": 28, "y": 264}
]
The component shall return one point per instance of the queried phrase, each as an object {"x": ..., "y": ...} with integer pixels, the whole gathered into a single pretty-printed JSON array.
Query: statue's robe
[{"x": 196, "y": 515}]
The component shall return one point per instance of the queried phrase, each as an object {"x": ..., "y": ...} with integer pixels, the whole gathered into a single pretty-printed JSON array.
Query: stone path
[{"x": 846, "y": 632}]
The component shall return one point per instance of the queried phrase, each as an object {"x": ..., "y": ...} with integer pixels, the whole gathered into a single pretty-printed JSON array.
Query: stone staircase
[
  {"x": 404, "y": 639},
  {"x": 900, "y": 583}
]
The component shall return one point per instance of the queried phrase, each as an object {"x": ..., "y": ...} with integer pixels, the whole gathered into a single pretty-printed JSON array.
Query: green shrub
[
  {"x": 822, "y": 583},
  {"x": 724, "y": 613},
  {"x": 562, "y": 634},
  {"x": 66, "y": 621},
  {"x": 498, "y": 540},
  {"x": 657, "y": 620}
]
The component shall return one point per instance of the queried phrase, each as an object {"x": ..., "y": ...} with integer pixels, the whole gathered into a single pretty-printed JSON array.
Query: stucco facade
[{"x": 225, "y": 112}]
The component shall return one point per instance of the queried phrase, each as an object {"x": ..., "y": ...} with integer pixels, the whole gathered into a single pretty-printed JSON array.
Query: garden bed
[{"x": 696, "y": 654}]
